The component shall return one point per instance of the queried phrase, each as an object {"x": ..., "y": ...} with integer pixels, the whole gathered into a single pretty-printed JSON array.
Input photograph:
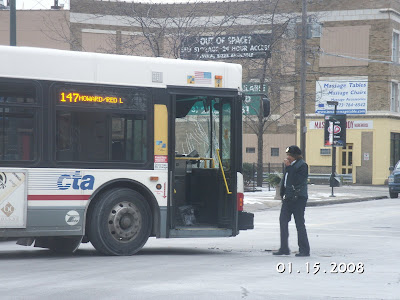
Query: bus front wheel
[{"x": 120, "y": 222}]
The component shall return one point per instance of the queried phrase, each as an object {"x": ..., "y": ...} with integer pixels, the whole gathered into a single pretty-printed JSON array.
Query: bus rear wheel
[{"x": 120, "y": 222}]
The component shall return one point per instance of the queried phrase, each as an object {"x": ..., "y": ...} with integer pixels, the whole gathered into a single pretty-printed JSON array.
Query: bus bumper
[{"x": 245, "y": 220}]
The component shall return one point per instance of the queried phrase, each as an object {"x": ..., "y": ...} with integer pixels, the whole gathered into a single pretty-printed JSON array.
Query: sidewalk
[{"x": 317, "y": 195}]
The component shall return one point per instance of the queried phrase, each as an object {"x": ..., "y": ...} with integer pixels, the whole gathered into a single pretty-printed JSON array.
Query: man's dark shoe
[
  {"x": 281, "y": 252},
  {"x": 302, "y": 254}
]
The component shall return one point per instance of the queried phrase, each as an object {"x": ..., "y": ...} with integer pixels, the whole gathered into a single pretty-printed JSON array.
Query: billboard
[
  {"x": 352, "y": 96},
  {"x": 335, "y": 130},
  {"x": 225, "y": 46}
]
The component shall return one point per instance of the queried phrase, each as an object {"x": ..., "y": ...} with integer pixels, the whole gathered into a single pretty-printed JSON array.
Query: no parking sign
[{"x": 335, "y": 130}]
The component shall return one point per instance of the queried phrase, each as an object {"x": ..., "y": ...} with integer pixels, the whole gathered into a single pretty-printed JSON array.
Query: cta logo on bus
[{"x": 76, "y": 181}]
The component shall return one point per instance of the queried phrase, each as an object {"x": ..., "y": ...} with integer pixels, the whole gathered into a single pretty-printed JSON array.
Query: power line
[{"x": 359, "y": 58}]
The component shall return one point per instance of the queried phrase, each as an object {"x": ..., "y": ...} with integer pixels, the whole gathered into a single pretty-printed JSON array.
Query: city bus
[{"x": 113, "y": 149}]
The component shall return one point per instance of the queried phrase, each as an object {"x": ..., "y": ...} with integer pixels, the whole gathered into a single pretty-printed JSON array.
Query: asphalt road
[{"x": 354, "y": 255}]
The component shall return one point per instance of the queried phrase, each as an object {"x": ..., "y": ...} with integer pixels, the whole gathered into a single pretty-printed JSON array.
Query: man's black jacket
[{"x": 296, "y": 182}]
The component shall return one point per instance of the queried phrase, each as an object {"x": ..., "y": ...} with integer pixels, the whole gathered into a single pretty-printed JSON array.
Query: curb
[{"x": 341, "y": 201}]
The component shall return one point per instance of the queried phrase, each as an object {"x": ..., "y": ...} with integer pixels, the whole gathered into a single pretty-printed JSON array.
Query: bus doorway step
[
  {"x": 196, "y": 231},
  {"x": 246, "y": 220}
]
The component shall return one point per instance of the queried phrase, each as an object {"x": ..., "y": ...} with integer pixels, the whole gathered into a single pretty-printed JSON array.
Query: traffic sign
[{"x": 335, "y": 130}]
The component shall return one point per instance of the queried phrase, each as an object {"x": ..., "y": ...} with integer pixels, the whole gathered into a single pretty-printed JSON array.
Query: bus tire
[
  {"x": 393, "y": 195},
  {"x": 120, "y": 222}
]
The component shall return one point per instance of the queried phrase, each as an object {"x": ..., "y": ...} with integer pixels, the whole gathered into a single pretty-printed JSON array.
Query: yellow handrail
[
  {"x": 199, "y": 158},
  {"x": 223, "y": 173}
]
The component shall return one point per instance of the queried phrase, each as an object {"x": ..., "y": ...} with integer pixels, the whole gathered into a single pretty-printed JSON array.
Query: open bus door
[{"x": 204, "y": 169}]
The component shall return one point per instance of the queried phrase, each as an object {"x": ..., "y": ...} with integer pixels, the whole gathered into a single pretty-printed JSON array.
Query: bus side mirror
[
  {"x": 266, "y": 107},
  {"x": 391, "y": 168}
]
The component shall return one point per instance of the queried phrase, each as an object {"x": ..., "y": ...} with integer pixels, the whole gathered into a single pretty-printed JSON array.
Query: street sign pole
[
  {"x": 333, "y": 159},
  {"x": 335, "y": 103}
]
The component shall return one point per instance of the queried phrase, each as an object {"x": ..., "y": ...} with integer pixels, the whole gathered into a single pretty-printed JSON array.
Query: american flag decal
[{"x": 202, "y": 77}]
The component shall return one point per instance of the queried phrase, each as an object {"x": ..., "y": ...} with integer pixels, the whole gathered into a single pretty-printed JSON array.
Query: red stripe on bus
[{"x": 58, "y": 197}]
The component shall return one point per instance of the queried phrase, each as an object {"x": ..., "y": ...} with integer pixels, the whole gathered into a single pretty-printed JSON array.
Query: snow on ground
[
  {"x": 316, "y": 193},
  {"x": 260, "y": 196},
  {"x": 319, "y": 196}
]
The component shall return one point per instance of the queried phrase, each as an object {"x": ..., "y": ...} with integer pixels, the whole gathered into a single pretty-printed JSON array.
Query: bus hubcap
[{"x": 124, "y": 221}]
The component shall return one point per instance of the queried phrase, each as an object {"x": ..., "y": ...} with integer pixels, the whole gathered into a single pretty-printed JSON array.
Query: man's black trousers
[{"x": 297, "y": 208}]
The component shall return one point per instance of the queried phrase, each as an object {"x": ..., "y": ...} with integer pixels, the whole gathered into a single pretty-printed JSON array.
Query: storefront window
[{"x": 394, "y": 148}]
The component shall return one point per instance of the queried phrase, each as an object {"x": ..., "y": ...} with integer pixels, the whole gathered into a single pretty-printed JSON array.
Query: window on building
[
  {"x": 274, "y": 151},
  {"x": 394, "y": 102},
  {"x": 394, "y": 148},
  {"x": 325, "y": 151},
  {"x": 250, "y": 150},
  {"x": 314, "y": 30},
  {"x": 395, "y": 47},
  {"x": 291, "y": 29}
]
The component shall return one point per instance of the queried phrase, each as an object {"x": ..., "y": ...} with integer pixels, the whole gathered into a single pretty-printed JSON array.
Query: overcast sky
[
  {"x": 37, "y": 4},
  {"x": 46, "y": 4}
]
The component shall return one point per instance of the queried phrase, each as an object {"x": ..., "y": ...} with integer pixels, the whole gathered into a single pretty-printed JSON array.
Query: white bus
[{"x": 115, "y": 149}]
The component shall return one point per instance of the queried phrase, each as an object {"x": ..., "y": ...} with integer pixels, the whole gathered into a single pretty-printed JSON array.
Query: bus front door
[{"x": 204, "y": 178}]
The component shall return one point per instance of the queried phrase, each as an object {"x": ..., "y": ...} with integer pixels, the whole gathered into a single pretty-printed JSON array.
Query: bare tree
[
  {"x": 277, "y": 74},
  {"x": 161, "y": 28},
  {"x": 274, "y": 72},
  {"x": 60, "y": 30}
]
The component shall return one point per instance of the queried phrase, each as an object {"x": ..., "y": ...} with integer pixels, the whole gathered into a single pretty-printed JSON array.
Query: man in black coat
[{"x": 294, "y": 199}]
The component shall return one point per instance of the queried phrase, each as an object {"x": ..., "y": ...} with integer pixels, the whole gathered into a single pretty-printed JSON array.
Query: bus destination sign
[{"x": 74, "y": 97}]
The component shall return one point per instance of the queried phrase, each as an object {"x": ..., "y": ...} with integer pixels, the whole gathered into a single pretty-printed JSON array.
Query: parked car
[{"x": 394, "y": 181}]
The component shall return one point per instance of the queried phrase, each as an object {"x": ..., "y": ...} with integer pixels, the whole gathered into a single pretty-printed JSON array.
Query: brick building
[
  {"x": 37, "y": 28},
  {"x": 359, "y": 52}
]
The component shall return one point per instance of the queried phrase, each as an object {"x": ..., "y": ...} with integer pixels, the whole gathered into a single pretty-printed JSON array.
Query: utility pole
[
  {"x": 303, "y": 75},
  {"x": 13, "y": 23}
]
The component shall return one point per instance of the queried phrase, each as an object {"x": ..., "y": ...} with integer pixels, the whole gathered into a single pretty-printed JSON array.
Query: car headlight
[{"x": 391, "y": 179}]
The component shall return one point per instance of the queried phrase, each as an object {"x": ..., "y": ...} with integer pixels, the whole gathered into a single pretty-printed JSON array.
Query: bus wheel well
[{"x": 136, "y": 186}]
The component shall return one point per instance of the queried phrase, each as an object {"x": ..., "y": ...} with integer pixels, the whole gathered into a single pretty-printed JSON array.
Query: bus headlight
[{"x": 391, "y": 179}]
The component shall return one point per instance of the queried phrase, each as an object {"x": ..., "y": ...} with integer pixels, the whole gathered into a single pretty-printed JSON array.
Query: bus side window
[
  {"x": 18, "y": 114},
  {"x": 64, "y": 131},
  {"x": 101, "y": 124}
]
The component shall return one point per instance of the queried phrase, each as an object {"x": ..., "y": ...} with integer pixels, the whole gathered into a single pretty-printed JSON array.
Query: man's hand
[
  {"x": 296, "y": 194},
  {"x": 288, "y": 199},
  {"x": 286, "y": 162}
]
